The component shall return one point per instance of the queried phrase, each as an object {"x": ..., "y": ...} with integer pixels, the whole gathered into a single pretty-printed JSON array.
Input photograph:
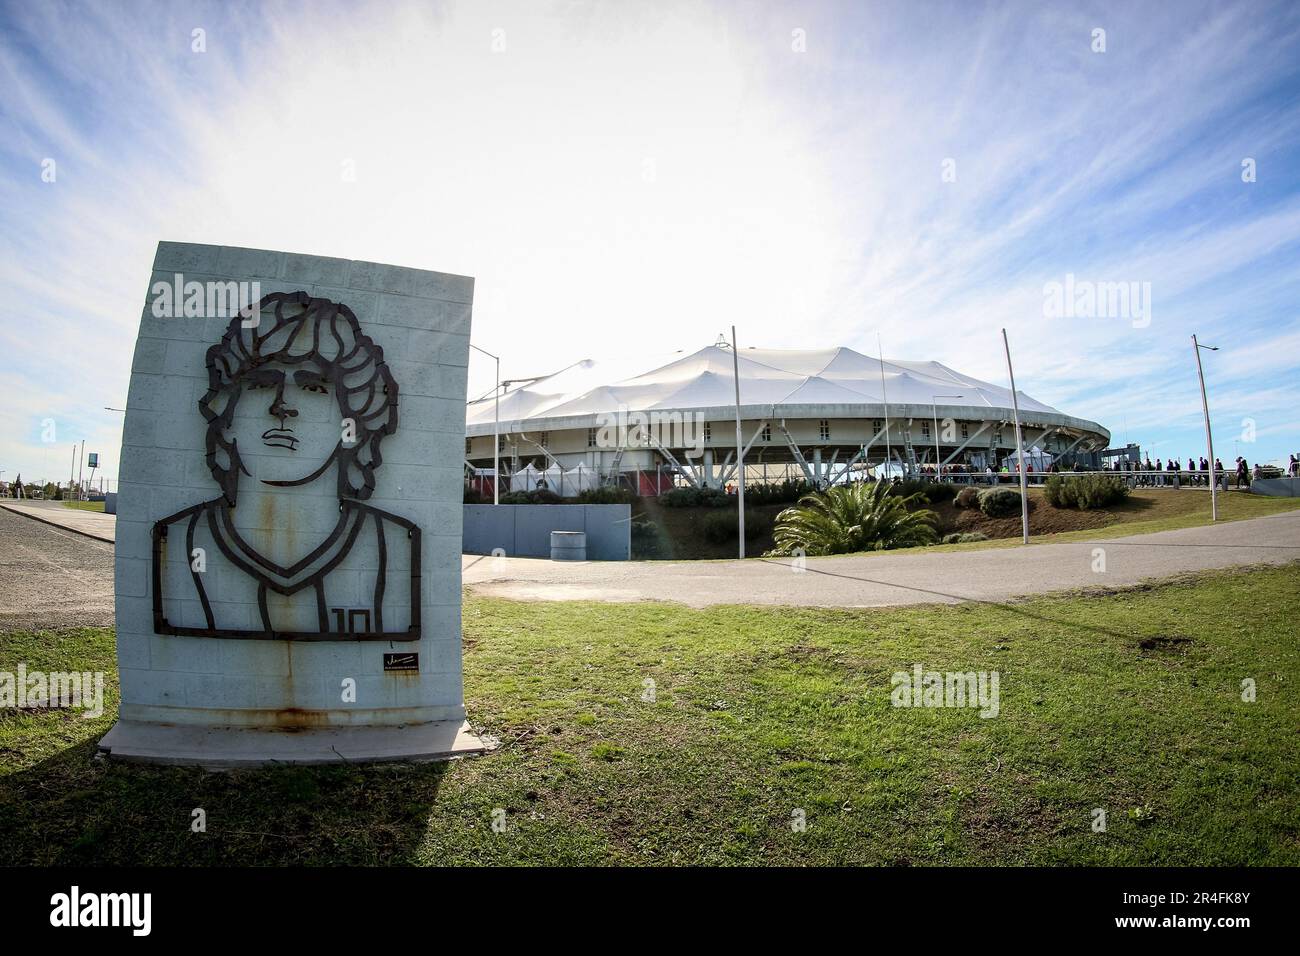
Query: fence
[
  {"x": 1134, "y": 479},
  {"x": 524, "y": 531}
]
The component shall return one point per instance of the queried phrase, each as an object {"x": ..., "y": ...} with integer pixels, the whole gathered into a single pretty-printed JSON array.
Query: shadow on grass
[
  {"x": 1006, "y": 606},
  {"x": 77, "y": 808}
]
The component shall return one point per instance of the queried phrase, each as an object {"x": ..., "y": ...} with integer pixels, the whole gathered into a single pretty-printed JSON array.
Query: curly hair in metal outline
[{"x": 312, "y": 331}]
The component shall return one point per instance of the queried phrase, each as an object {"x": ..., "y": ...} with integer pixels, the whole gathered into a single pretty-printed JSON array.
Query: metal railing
[{"x": 1134, "y": 479}]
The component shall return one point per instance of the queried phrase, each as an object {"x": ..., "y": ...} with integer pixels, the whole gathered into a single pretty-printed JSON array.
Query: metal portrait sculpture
[{"x": 297, "y": 394}]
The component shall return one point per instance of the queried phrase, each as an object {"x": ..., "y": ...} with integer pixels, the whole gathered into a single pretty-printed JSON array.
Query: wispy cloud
[{"x": 634, "y": 178}]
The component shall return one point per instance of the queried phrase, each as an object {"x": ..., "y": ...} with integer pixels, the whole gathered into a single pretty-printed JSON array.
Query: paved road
[
  {"x": 95, "y": 524},
  {"x": 891, "y": 578},
  {"x": 50, "y": 577}
]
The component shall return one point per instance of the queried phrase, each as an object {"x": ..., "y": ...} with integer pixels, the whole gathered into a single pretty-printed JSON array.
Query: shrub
[
  {"x": 968, "y": 497},
  {"x": 860, "y": 517},
  {"x": 778, "y": 493},
  {"x": 1000, "y": 502},
  {"x": 720, "y": 526},
  {"x": 964, "y": 537},
  {"x": 933, "y": 491},
  {"x": 607, "y": 495},
  {"x": 1084, "y": 491},
  {"x": 541, "y": 496},
  {"x": 942, "y": 491},
  {"x": 648, "y": 539},
  {"x": 691, "y": 497}
]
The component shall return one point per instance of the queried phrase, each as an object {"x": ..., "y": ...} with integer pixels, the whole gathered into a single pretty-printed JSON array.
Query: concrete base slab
[{"x": 228, "y": 748}]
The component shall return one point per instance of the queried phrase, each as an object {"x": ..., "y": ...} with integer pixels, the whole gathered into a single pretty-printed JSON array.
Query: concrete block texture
[{"x": 280, "y": 540}]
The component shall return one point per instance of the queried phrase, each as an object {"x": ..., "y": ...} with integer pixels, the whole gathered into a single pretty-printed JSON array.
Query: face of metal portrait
[{"x": 286, "y": 421}]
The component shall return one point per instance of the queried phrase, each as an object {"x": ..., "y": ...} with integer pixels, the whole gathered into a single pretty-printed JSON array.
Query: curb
[{"x": 55, "y": 524}]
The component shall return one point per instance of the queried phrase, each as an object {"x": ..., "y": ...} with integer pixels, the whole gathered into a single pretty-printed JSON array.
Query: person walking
[{"x": 1243, "y": 473}]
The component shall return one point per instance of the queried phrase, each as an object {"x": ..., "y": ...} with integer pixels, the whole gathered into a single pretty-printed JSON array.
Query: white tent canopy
[
  {"x": 530, "y": 478},
  {"x": 1038, "y": 459},
  {"x": 772, "y": 377},
  {"x": 580, "y": 479},
  {"x": 564, "y": 483}
]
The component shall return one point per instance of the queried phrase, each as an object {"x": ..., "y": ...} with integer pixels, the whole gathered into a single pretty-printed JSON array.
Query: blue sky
[{"x": 633, "y": 178}]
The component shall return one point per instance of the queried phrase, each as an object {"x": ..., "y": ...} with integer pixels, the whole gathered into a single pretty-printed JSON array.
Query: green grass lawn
[
  {"x": 85, "y": 505},
  {"x": 1120, "y": 701}
]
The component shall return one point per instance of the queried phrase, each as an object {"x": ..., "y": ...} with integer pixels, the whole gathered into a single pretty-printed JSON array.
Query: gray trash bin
[{"x": 568, "y": 546}]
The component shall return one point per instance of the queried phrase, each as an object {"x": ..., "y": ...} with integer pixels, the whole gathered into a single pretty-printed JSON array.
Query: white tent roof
[
  {"x": 838, "y": 376},
  {"x": 1033, "y": 453}
]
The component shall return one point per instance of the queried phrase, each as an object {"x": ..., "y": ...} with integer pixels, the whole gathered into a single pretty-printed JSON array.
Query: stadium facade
[{"x": 827, "y": 415}]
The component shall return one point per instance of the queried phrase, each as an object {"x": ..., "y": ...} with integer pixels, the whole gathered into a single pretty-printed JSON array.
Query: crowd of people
[
  {"x": 1159, "y": 473},
  {"x": 966, "y": 474},
  {"x": 1145, "y": 473}
]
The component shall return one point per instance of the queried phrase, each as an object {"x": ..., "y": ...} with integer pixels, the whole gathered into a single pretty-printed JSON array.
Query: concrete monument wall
[{"x": 235, "y": 450}]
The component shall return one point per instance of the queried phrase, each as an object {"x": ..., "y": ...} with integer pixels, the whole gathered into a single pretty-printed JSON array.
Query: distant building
[{"x": 819, "y": 414}]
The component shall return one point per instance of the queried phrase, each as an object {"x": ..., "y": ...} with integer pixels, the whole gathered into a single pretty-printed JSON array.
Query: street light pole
[
  {"x": 496, "y": 427},
  {"x": 1209, "y": 439},
  {"x": 934, "y": 409},
  {"x": 1020, "y": 447},
  {"x": 740, "y": 446},
  {"x": 884, "y": 398}
]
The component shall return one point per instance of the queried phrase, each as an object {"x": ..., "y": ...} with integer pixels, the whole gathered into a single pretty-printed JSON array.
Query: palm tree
[{"x": 861, "y": 517}]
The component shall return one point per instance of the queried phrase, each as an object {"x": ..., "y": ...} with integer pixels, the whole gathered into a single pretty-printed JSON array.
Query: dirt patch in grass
[
  {"x": 1142, "y": 505},
  {"x": 1172, "y": 643},
  {"x": 1043, "y": 519}
]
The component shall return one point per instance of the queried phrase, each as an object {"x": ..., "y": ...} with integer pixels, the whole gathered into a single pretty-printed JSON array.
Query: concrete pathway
[
  {"x": 93, "y": 524},
  {"x": 895, "y": 577},
  {"x": 84, "y": 585},
  {"x": 52, "y": 577}
]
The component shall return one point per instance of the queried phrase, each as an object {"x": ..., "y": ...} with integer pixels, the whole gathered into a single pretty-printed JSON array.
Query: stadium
[{"x": 825, "y": 415}]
